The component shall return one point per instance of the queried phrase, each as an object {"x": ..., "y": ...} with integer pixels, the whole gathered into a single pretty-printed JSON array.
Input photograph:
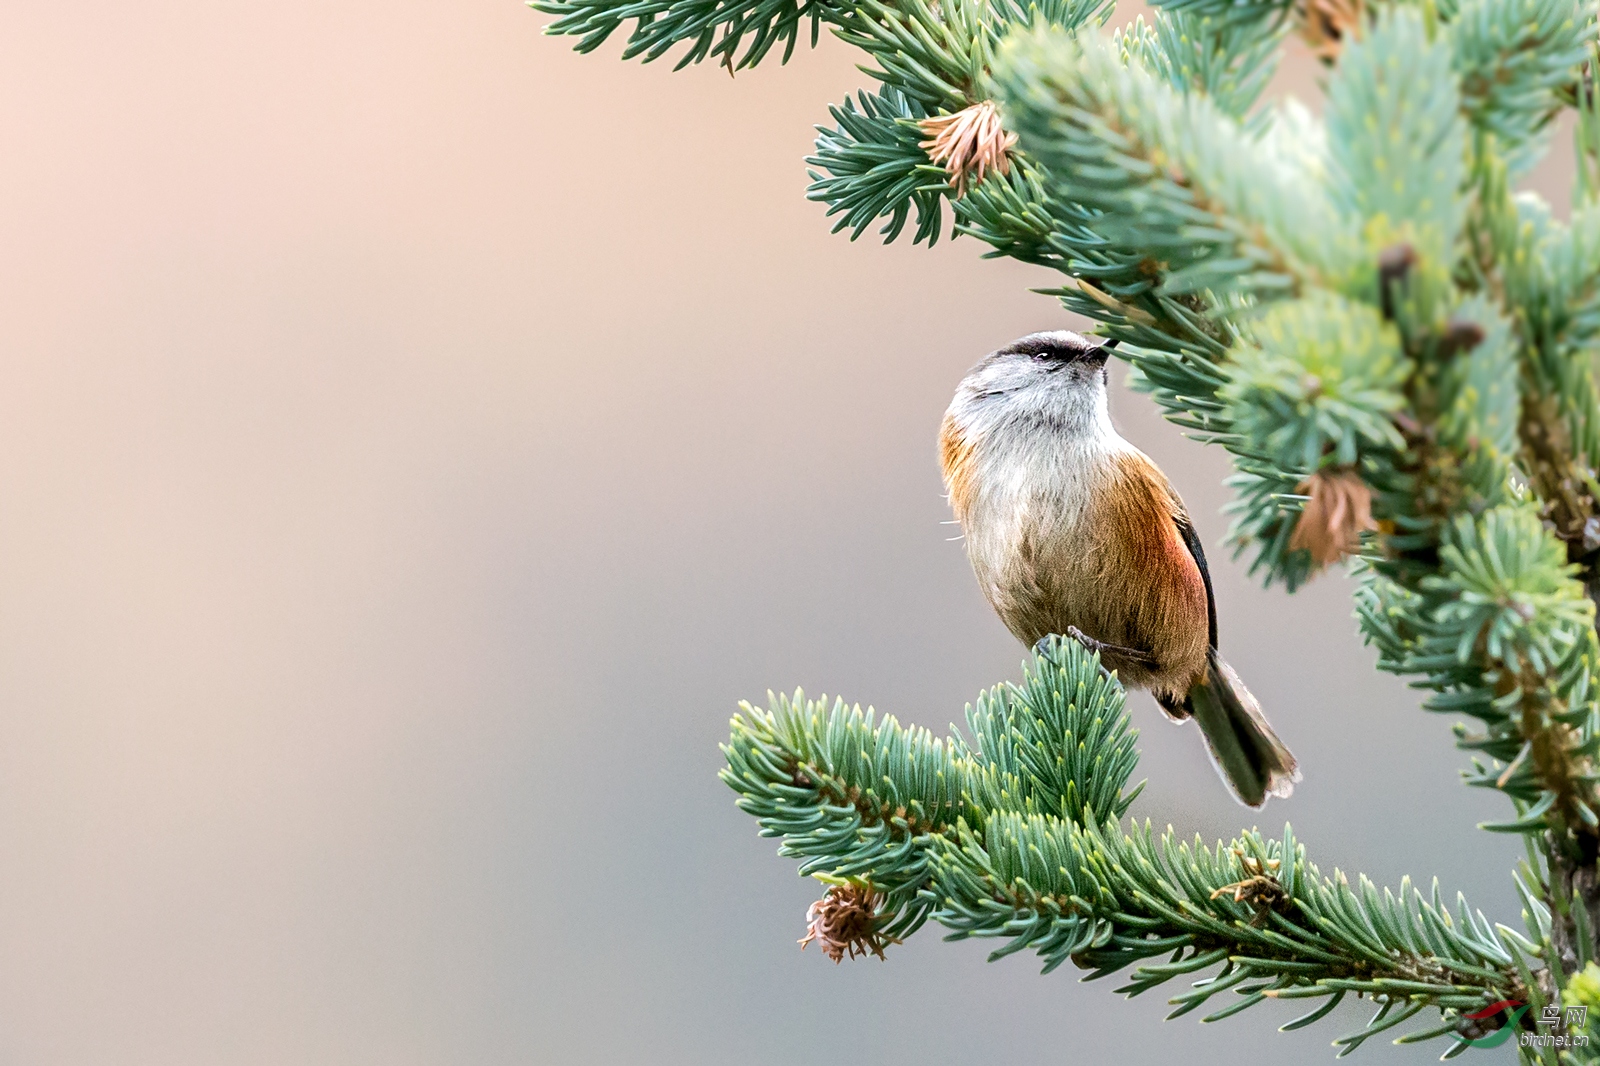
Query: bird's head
[{"x": 1059, "y": 376}]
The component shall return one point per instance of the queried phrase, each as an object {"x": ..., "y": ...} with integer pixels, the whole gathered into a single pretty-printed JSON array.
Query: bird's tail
[{"x": 1245, "y": 750}]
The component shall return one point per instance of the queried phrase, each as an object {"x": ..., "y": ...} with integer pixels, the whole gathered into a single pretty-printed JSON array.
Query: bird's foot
[
  {"x": 1100, "y": 647},
  {"x": 1041, "y": 647},
  {"x": 1085, "y": 639}
]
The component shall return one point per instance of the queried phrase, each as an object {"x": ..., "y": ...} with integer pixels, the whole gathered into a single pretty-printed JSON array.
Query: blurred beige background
[{"x": 414, "y": 439}]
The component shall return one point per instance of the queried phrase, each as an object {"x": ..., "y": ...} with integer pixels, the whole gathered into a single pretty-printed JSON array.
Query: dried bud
[
  {"x": 1394, "y": 263},
  {"x": 1326, "y": 24},
  {"x": 1338, "y": 511},
  {"x": 969, "y": 143},
  {"x": 1460, "y": 335},
  {"x": 845, "y": 922}
]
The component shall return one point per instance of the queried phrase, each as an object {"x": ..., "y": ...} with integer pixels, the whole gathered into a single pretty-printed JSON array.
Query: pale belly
[{"x": 1095, "y": 547}]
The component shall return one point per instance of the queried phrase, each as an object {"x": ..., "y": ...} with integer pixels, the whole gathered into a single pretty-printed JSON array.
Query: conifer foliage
[{"x": 1399, "y": 353}]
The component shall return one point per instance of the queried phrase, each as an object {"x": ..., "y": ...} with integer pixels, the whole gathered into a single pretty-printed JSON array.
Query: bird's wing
[{"x": 1191, "y": 540}]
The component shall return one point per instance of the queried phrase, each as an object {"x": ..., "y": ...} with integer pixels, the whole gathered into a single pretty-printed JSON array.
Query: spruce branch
[
  {"x": 1321, "y": 384},
  {"x": 1504, "y": 633},
  {"x": 1580, "y": 94},
  {"x": 1009, "y": 212},
  {"x": 933, "y": 52},
  {"x": 661, "y": 24},
  {"x": 872, "y": 165},
  {"x": 1397, "y": 145},
  {"x": 1229, "y": 61},
  {"x": 1016, "y": 835},
  {"x": 1550, "y": 273},
  {"x": 1251, "y": 12},
  {"x": 1181, "y": 197},
  {"x": 1517, "y": 61}
]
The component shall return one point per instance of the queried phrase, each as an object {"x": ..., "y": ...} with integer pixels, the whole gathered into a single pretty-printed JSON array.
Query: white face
[{"x": 1057, "y": 379}]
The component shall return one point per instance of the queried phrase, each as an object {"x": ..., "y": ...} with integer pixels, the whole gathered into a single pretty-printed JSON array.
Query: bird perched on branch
[{"x": 1071, "y": 530}]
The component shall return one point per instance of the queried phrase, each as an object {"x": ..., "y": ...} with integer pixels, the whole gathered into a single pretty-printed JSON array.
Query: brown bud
[
  {"x": 969, "y": 143},
  {"x": 1460, "y": 335},
  {"x": 845, "y": 922},
  {"x": 1338, "y": 511},
  {"x": 1394, "y": 263}
]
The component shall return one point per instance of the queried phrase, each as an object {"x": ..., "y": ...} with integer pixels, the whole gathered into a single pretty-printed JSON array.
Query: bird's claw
[{"x": 1041, "y": 647}]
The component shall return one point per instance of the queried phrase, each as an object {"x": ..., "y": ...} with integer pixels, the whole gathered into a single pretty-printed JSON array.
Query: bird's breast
[
  {"x": 1081, "y": 533},
  {"x": 1023, "y": 501}
]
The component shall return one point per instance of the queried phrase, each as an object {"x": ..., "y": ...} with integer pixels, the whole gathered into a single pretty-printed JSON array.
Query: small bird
[{"x": 1071, "y": 530}]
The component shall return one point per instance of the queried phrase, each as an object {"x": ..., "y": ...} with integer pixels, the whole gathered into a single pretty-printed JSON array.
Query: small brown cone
[
  {"x": 1338, "y": 512},
  {"x": 969, "y": 144},
  {"x": 845, "y": 922}
]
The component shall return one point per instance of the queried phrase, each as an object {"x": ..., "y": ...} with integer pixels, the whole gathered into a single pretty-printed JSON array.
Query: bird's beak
[{"x": 1101, "y": 353}]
